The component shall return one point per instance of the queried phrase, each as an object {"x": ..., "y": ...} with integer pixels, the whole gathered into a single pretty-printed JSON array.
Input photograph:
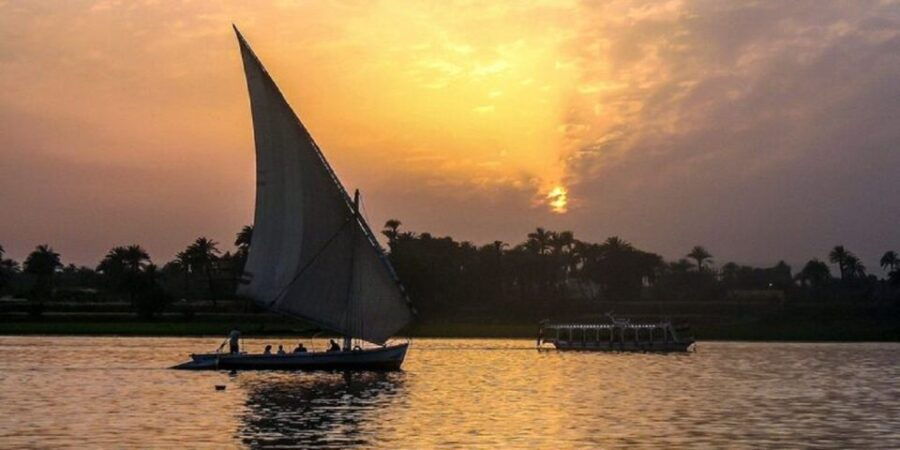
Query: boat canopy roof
[{"x": 602, "y": 326}]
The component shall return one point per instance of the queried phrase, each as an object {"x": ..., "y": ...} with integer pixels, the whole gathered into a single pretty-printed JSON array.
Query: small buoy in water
[{"x": 220, "y": 387}]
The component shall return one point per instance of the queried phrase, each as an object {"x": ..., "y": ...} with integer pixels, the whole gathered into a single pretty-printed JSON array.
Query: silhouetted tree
[
  {"x": 42, "y": 263},
  {"x": 391, "y": 228},
  {"x": 9, "y": 269},
  {"x": 839, "y": 256},
  {"x": 78, "y": 278},
  {"x": 150, "y": 297},
  {"x": 539, "y": 240},
  {"x": 201, "y": 257},
  {"x": 183, "y": 262},
  {"x": 677, "y": 281},
  {"x": 815, "y": 274},
  {"x": 123, "y": 267},
  {"x": 239, "y": 260},
  {"x": 243, "y": 238},
  {"x": 619, "y": 269},
  {"x": 729, "y": 274},
  {"x": 854, "y": 267},
  {"x": 889, "y": 261},
  {"x": 894, "y": 277},
  {"x": 700, "y": 255},
  {"x": 136, "y": 258}
]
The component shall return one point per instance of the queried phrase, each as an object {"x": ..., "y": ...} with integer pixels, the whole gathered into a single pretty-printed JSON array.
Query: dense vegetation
[
  {"x": 554, "y": 274},
  {"x": 549, "y": 274}
]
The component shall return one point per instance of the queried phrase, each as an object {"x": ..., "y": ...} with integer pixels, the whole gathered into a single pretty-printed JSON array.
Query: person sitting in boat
[
  {"x": 334, "y": 346},
  {"x": 234, "y": 339},
  {"x": 300, "y": 348},
  {"x": 268, "y": 350},
  {"x": 280, "y": 349}
]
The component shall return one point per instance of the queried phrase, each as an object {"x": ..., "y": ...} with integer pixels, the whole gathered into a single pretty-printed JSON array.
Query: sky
[{"x": 763, "y": 130}]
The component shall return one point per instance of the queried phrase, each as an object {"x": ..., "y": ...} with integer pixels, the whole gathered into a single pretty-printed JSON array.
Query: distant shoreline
[{"x": 856, "y": 330}]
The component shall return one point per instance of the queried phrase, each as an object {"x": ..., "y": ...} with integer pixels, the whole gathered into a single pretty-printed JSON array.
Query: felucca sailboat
[{"x": 312, "y": 256}]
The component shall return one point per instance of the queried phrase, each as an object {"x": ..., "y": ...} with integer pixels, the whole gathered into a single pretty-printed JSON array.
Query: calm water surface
[{"x": 117, "y": 392}]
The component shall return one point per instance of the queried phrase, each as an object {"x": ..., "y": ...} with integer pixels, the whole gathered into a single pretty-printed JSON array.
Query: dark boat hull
[
  {"x": 388, "y": 358},
  {"x": 663, "y": 347}
]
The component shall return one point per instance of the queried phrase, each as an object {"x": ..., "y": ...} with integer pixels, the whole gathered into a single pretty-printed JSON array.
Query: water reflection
[
  {"x": 116, "y": 393},
  {"x": 316, "y": 410}
]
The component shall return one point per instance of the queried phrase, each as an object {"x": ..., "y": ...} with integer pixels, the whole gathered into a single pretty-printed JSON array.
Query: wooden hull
[
  {"x": 625, "y": 346},
  {"x": 387, "y": 358}
]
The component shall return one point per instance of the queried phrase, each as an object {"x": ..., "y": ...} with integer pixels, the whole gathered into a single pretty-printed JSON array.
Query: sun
[{"x": 558, "y": 199}]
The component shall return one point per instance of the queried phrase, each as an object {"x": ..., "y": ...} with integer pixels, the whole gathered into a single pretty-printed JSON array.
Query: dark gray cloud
[{"x": 764, "y": 130}]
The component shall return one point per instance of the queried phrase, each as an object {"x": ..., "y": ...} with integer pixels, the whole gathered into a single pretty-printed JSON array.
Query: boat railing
[{"x": 566, "y": 334}]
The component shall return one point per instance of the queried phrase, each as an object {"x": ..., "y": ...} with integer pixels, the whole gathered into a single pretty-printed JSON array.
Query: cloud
[
  {"x": 760, "y": 129},
  {"x": 763, "y": 130}
]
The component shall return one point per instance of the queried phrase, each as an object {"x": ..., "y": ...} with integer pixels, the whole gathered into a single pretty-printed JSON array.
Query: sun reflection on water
[{"x": 457, "y": 393}]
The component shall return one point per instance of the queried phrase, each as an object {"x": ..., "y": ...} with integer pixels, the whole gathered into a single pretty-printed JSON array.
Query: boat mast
[{"x": 348, "y": 339}]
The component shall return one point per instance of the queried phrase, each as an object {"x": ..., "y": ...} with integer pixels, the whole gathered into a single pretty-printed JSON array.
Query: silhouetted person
[
  {"x": 334, "y": 347},
  {"x": 280, "y": 349},
  {"x": 300, "y": 348},
  {"x": 234, "y": 339},
  {"x": 268, "y": 350}
]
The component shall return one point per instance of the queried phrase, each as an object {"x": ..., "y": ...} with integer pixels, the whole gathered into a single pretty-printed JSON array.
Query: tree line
[
  {"x": 200, "y": 271},
  {"x": 548, "y": 272},
  {"x": 553, "y": 272}
]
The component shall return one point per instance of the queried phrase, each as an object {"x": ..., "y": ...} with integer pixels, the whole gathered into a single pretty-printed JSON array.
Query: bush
[
  {"x": 151, "y": 301},
  {"x": 35, "y": 308}
]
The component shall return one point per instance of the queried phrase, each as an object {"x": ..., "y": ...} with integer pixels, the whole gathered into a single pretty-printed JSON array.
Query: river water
[{"x": 90, "y": 392}]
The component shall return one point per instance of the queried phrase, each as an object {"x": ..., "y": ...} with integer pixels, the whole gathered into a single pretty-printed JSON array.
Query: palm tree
[
  {"x": 113, "y": 264},
  {"x": 124, "y": 267},
  {"x": 814, "y": 274},
  {"x": 182, "y": 263},
  {"x": 391, "y": 228},
  {"x": 839, "y": 255},
  {"x": 43, "y": 262},
  {"x": 854, "y": 267},
  {"x": 567, "y": 239},
  {"x": 699, "y": 254},
  {"x": 8, "y": 270},
  {"x": 202, "y": 256},
  {"x": 498, "y": 247},
  {"x": 242, "y": 242},
  {"x": 243, "y": 238},
  {"x": 136, "y": 258},
  {"x": 539, "y": 240},
  {"x": 888, "y": 261},
  {"x": 114, "y": 255},
  {"x": 680, "y": 266},
  {"x": 616, "y": 244}
]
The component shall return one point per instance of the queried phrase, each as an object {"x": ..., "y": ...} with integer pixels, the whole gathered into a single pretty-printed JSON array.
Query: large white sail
[{"x": 311, "y": 255}]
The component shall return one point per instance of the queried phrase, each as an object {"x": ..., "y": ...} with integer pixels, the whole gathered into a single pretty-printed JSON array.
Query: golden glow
[
  {"x": 463, "y": 103},
  {"x": 558, "y": 199},
  {"x": 457, "y": 117},
  {"x": 445, "y": 95}
]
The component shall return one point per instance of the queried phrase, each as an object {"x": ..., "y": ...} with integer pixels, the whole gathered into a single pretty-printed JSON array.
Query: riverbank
[{"x": 850, "y": 330}]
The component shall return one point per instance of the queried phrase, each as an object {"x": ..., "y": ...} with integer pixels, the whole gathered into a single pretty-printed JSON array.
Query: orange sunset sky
[{"x": 762, "y": 130}]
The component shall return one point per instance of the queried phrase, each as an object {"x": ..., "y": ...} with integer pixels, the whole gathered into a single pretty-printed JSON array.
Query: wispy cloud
[
  {"x": 760, "y": 128},
  {"x": 755, "y": 128}
]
